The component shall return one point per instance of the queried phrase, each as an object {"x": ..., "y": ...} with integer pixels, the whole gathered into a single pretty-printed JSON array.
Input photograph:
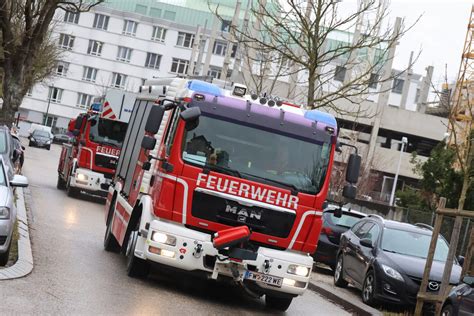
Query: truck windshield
[
  {"x": 257, "y": 154},
  {"x": 107, "y": 132}
]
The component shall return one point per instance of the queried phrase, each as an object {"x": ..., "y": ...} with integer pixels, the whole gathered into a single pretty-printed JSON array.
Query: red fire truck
[
  {"x": 88, "y": 163},
  {"x": 225, "y": 184}
]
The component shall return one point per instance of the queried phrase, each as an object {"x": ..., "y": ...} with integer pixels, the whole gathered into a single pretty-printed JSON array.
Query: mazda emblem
[{"x": 433, "y": 286}]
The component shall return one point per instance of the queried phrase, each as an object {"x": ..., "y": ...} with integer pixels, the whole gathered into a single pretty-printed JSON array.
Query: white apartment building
[{"x": 120, "y": 44}]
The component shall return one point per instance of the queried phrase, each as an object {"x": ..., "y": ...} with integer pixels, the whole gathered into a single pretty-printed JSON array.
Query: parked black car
[
  {"x": 336, "y": 220},
  {"x": 460, "y": 300},
  {"x": 40, "y": 138},
  {"x": 61, "y": 138},
  {"x": 386, "y": 259}
]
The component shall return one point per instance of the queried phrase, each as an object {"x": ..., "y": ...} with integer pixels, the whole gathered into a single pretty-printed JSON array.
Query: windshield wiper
[
  {"x": 294, "y": 188},
  {"x": 391, "y": 251}
]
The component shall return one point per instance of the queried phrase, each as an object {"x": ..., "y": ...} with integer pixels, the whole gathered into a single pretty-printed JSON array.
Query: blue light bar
[
  {"x": 204, "y": 87},
  {"x": 318, "y": 116}
]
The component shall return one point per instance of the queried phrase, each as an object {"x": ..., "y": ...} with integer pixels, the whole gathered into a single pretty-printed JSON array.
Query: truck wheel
[
  {"x": 110, "y": 242},
  {"x": 61, "y": 184},
  {"x": 4, "y": 256},
  {"x": 71, "y": 191},
  {"x": 136, "y": 267},
  {"x": 277, "y": 303}
]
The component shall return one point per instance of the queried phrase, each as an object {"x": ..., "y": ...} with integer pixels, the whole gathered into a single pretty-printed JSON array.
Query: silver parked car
[{"x": 7, "y": 210}]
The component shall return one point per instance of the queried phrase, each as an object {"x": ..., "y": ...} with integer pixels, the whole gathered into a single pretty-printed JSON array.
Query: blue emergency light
[
  {"x": 96, "y": 107},
  {"x": 204, "y": 87},
  {"x": 318, "y": 116}
]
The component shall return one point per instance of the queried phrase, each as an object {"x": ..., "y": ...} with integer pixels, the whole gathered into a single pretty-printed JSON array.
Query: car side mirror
[
  {"x": 190, "y": 114},
  {"x": 349, "y": 191},
  {"x": 366, "y": 242},
  {"x": 460, "y": 260},
  {"x": 338, "y": 212},
  {"x": 19, "y": 181}
]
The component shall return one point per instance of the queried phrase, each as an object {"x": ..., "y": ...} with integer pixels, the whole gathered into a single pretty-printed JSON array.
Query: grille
[
  {"x": 105, "y": 161},
  {"x": 433, "y": 286},
  {"x": 228, "y": 212},
  {"x": 3, "y": 239}
]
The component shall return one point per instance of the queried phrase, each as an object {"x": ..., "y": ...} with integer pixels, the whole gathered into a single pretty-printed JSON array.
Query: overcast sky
[{"x": 440, "y": 34}]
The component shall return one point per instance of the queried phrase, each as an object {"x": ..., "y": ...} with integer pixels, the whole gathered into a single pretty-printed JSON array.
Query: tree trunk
[
  {"x": 311, "y": 91},
  {"x": 12, "y": 96}
]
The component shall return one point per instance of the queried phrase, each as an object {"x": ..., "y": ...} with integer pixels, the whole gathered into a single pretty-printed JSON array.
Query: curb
[
  {"x": 350, "y": 305},
  {"x": 24, "y": 265}
]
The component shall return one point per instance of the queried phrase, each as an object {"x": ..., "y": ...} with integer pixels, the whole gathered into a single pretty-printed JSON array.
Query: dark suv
[{"x": 386, "y": 259}]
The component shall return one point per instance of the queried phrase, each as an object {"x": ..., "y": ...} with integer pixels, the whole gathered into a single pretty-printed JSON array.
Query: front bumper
[
  {"x": 194, "y": 251},
  {"x": 6, "y": 230},
  {"x": 89, "y": 181},
  {"x": 41, "y": 144},
  {"x": 395, "y": 292}
]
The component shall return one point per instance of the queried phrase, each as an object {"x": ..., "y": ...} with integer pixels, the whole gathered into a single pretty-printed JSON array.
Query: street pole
[
  {"x": 394, "y": 186},
  {"x": 47, "y": 108}
]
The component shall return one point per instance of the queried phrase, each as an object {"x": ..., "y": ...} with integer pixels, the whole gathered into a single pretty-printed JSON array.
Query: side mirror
[
  {"x": 78, "y": 123},
  {"x": 190, "y": 114},
  {"x": 148, "y": 142},
  {"x": 75, "y": 132},
  {"x": 146, "y": 165},
  {"x": 349, "y": 191},
  {"x": 366, "y": 242},
  {"x": 338, "y": 212},
  {"x": 154, "y": 119},
  {"x": 19, "y": 181},
  {"x": 353, "y": 168},
  {"x": 460, "y": 260}
]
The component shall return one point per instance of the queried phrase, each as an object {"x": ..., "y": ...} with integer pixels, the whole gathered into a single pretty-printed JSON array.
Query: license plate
[{"x": 264, "y": 278}]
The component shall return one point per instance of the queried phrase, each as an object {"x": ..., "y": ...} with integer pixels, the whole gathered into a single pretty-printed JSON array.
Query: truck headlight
[
  {"x": 4, "y": 213},
  {"x": 163, "y": 238},
  {"x": 391, "y": 272},
  {"x": 82, "y": 177},
  {"x": 298, "y": 270}
]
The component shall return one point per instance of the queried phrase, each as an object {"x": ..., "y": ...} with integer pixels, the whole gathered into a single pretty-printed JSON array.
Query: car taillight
[{"x": 326, "y": 231}]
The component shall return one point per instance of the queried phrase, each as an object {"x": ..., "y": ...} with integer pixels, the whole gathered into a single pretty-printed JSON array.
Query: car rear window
[{"x": 346, "y": 220}]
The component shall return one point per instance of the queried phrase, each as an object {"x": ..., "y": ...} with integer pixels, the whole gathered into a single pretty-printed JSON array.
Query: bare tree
[
  {"x": 25, "y": 27},
  {"x": 313, "y": 36}
]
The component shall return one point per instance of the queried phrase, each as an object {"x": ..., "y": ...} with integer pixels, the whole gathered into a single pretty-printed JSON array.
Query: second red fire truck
[{"x": 224, "y": 184}]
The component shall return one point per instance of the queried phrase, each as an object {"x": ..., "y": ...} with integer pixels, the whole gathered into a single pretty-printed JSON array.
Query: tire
[
  {"x": 71, "y": 191},
  {"x": 277, "y": 303},
  {"x": 61, "y": 184},
  {"x": 110, "y": 242},
  {"x": 369, "y": 289},
  {"x": 49, "y": 147},
  {"x": 136, "y": 267},
  {"x": 338, "y": 273},
  {"x": 447, "y": 310},
  {"x": 30, "y": 144},
  {"x": 4, "y": 256}
]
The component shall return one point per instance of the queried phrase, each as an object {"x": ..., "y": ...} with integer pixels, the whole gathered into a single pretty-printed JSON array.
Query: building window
[
  {"x": 179, "y": 66},
  {"x": 51, "y": 121},
  {"x": 129, "y": 27},
  {"x": 220, "y": 48},
  {"x": 373, "y": 81},
  {"x": 55, "y": 94},
  {"x": 159, "y": 34},
  {"x": 83, "y": 100},
  {"x": 225, "y": 26},
  {"x": 153, "y": 61},
  {"x": 340, "y": 73},
  {"x": 214, "y": 72},
  {"x": 89, "y": 74},
  {"x": 101, "y": 21},
  {"x": 66, "y": 41},
  {"x": 71, "y": 17},
  {"x": 417, "y": 95},
  {"x": 95, "y": 48},
  {"x": 185, "y": 39},
  {"x": 124, "y": 54},
  {"x": 397, "y": 85},
  {"x": 61, "y": 68},
  {"x": 118, "y": 80},
  {"x": 169, "y": 15}
]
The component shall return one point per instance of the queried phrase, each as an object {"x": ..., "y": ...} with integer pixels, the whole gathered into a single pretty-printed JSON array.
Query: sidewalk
[
  {"x": 24, "y": 265},
  {"x": 349, "y": 298}
]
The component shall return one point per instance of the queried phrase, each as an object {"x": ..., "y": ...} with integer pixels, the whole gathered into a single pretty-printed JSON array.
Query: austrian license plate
[{"x": 264, "y": 278}]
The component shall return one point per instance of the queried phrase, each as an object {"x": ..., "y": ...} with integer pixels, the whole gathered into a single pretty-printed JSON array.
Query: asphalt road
[{"x": 74, "y": 275}]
